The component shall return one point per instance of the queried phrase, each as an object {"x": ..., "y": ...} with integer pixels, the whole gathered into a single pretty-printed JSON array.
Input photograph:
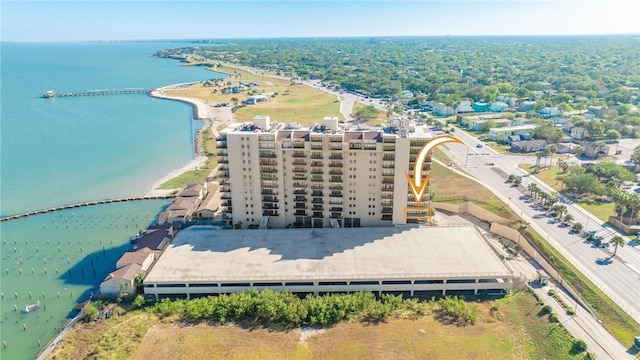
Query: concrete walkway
[{"x": 582, "y": 325}]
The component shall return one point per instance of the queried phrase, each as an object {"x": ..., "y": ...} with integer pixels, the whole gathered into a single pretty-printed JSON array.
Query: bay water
[{"x": 71, "y": 150}]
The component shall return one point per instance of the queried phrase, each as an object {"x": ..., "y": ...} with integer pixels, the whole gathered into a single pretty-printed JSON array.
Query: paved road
[{"x": 619, "y": 276}]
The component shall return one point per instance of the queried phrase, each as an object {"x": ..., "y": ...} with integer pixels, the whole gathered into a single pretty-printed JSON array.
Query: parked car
[{"x": 478, "y": 146}]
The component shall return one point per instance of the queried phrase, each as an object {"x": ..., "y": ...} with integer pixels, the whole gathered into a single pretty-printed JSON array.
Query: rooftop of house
[
  {"x": 135, "y": 257},
  {"x": 128, "y": 272}
]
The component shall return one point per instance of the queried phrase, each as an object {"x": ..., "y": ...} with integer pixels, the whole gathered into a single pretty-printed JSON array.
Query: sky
[{"x": 157, "y": 19}]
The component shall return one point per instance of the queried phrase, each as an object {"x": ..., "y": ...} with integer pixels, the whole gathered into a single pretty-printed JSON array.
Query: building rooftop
[{"x": 206, "y": 254}]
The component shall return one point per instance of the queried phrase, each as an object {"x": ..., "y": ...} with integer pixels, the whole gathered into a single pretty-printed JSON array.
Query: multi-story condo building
[{"x": 330, "y": 175}]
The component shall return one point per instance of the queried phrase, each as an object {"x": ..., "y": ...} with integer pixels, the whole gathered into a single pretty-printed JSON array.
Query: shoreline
[{"x": 201, "y": 110}]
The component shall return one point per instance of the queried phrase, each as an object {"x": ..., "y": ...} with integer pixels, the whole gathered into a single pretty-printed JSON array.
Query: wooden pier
[
  {"x": 52, "y": 94},
  {"x": 72, "y": 206}
]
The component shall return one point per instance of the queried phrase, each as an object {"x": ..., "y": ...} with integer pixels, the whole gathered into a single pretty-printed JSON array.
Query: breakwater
[{"x": 90, "y": 203}]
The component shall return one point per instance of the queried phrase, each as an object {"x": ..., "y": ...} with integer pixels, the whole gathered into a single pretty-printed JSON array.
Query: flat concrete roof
[{"x": 200, "y": 254}]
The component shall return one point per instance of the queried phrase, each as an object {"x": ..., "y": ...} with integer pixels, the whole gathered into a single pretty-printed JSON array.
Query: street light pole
[{"x": 466, "y": 159}]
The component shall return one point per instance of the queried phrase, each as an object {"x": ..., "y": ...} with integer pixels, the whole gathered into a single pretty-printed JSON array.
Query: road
[{"x": 619, "y": 277}]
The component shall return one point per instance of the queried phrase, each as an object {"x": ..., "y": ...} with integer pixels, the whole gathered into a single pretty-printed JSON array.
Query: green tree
[
  {"x": 550, "y": 150},
  {"x": 595, "y": 128},
  {"x": 577, "y": 227},
  {"x": 568, "y": 218},
  {"x": 612, "y": 134},
  {"x": 616, "y": 241},
  {"x": 635, "y": 156},
  {"x": 366, "y": 113}
]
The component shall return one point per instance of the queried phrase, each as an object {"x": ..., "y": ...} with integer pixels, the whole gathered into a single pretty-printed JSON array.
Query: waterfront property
[
  {"x": 413, "y": 261},
  {"x": 328, "y": 175}
]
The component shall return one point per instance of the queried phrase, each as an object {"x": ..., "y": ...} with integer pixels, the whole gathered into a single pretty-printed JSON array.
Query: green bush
[
  {"x": 553, "y": 317},
  {"x": 546, "y": 309},
  {"x": 579, "y": 346}
]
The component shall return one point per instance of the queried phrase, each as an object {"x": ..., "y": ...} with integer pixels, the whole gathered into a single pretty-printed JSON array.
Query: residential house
[
  {"x": 579, "y": 133},
  {"x": 547, "y": 112},
  {"x": 464, "y": 107},
  {"x": 197, "y": 190},
  {"x": 181, "y": 210},
  {"x": 499, "y": 106},
  {"x": 143, "y": 257},
  {"x": 527, "y": 105},
  {"x": 511, "y": 101},
  {"x": 481, "y": 106},
  {"x": 564, "y": 148},
  {"x": 209, "y": 207},
  {"x": 252, "y": 100},
  {"x": 156, "y": 237},
  {"x": 526, "y": 146},
  {"x": 121, "y": 281},
  {"x": 597, "y": 111},
  {"x": 594, "y": 151},
  {"x": 500, "y": 134},
  {"x": 441, "y": 109}
]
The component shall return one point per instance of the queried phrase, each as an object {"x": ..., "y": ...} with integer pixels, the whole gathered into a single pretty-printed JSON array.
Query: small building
[
  {"x": 181, "y": 210},
  {"x": 547, "y": 112},
  {"x": 464, "y": 107},
  {"x": 143, "y": 257},
  {"x": 441, "y": 109},
  {"x": 500, "y": 134},
  {"x": 481, "y": 106},
  {"x": 595, "y": 151},
  {"x": 597, "y": 111},
  {"x": 527, "y": 146},
  {"x": 121, "y": 281},
  {"x": 579, "y": 133},
  {"x": 197, "y": 190},
  {"x": 499, "y": 106},
  {"x": 156, "y": 237},
  {"x": 252, "y": 100},
  {"x": 527, "y": 105},
  {"x": 209, "y": 206}
]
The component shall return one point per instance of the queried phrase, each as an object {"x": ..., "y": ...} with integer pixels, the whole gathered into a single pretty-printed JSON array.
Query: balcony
[
  {"x": 299, "y": 154},
  {"x": 221, "y": 144},
  {"x": 270, "y": 199},
  {"x": 336, "y": 156},
  {"x": 387, "y": 187},
  {"x": 317, "y": 178},
  {"x": 317, "y": 155},
  {"x": 335, "y": 164},
  {"x": 225, "y": 188},
  {"x": 388, "y": 156},
  {"x": 300, "y": 198},
  {"x": 222, "y": 152},
  {"x": 268, "y": 169},
  {"x": 336, "y": 178},
  {"x": 316, "y": 193},
  {"x": 268, "y": 154},
  {"x": 298, "y": 145},
  {"x": 268, "y": 177},
  {"x": 300, "y": 206},
  {"x": 317, "y": 208},
  {"x": 317, "y": 214},
  {"x": 299, "y": 176},
  {"x": 336, "y": 215},
  {"x": 223, "y": 174},
  {"x": 300, "y": 162},
  {"x": 387, "y": 195},
  {"x": 225, "y": 196},
  {"x": 298, "y": 169},
  {"x": 317, "y": 186},
  {"x": 317, "y": 163},
  {"x": 317, "y": 201},
  {"x": 387, "y": 179},
  {"x": 269, "y": 185},
  {"x": 300, "y": 191},
  {"x": 388, "y": 165},
  {"x": 223, "y": 160},
  {"x": 317, "y": 170},
  {"x": 269, "y": 191},
  {"x": 336, "y": 194},
  {"x": 268, "y": 162},
  {"x": 301, "y": 184},
  {"x": 387, "y": 217},
  {"x": 387, "y": 210},
  {"x": 226, "y": 203},
  {"x": 226, "y": 209},
  {"x": 270, "y": 213},
  {"x": 270, "y": 206},
  {"x": 335, "y": 186},
  {"x": 335, "y": 172},
  {"x": 336, "y": 208},
  {"x": 300, "y": 213}
]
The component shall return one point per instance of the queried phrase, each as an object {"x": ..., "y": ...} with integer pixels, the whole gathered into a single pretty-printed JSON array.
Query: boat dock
[
  {"x": 52, "y": 94},
  {"x": 72, "y": 206}
]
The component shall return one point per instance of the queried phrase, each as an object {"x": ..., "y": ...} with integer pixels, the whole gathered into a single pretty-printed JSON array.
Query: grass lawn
[
  {"x": 451, "y": 187},
  {"x": 507, "y": 328},
  {"x": 381, "y": 116},
  {"x": 602, "y": 210},
  {"x": 294, "y": 103}
]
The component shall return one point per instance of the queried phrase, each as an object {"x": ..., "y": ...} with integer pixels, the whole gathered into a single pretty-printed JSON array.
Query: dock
[
  {"x": 52, "y": 94},
  {"x": 73, "y": 206}
]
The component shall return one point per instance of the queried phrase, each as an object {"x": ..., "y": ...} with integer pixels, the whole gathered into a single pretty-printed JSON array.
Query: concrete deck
[{"x": 200, "y": 254}]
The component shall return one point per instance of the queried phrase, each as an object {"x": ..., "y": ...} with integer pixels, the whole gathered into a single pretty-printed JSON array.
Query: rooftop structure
[{"x": 411, "y": 260}]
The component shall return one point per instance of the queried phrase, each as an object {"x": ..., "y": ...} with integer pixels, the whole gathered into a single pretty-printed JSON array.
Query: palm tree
[
  {"x": 621, "y": 199},
  {"x": 633, "y": 204},
  {"x": 532, "y": 188},
  {"x": 577, "y": 227},
  {"x": 579, "y": 150},
  {"x": 568, "y": 218},
  {"x": 616, "y": 241},
  {"x": 550, "y": 149}
]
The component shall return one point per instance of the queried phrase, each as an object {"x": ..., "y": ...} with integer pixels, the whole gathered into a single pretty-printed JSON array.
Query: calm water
[{"x": 69, "y": 150}]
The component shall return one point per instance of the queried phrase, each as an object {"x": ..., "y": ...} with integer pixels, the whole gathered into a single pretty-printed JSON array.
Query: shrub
[
  {"x": 579, "y": 346},
  {"x": 546, "y": 309},
  {"x": 553, "y": 317}
]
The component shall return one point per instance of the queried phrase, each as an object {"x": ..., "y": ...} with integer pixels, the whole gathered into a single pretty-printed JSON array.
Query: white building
[
  {"x": 274, "y": 175},
  {"x": 464, "y": 107}
]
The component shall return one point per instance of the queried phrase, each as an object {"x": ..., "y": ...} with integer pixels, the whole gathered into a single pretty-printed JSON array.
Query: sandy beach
[{"x": 202, "y": 110}]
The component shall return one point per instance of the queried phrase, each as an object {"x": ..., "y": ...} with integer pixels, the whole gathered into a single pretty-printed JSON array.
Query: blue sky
[{"x": 131, "y": 20}]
